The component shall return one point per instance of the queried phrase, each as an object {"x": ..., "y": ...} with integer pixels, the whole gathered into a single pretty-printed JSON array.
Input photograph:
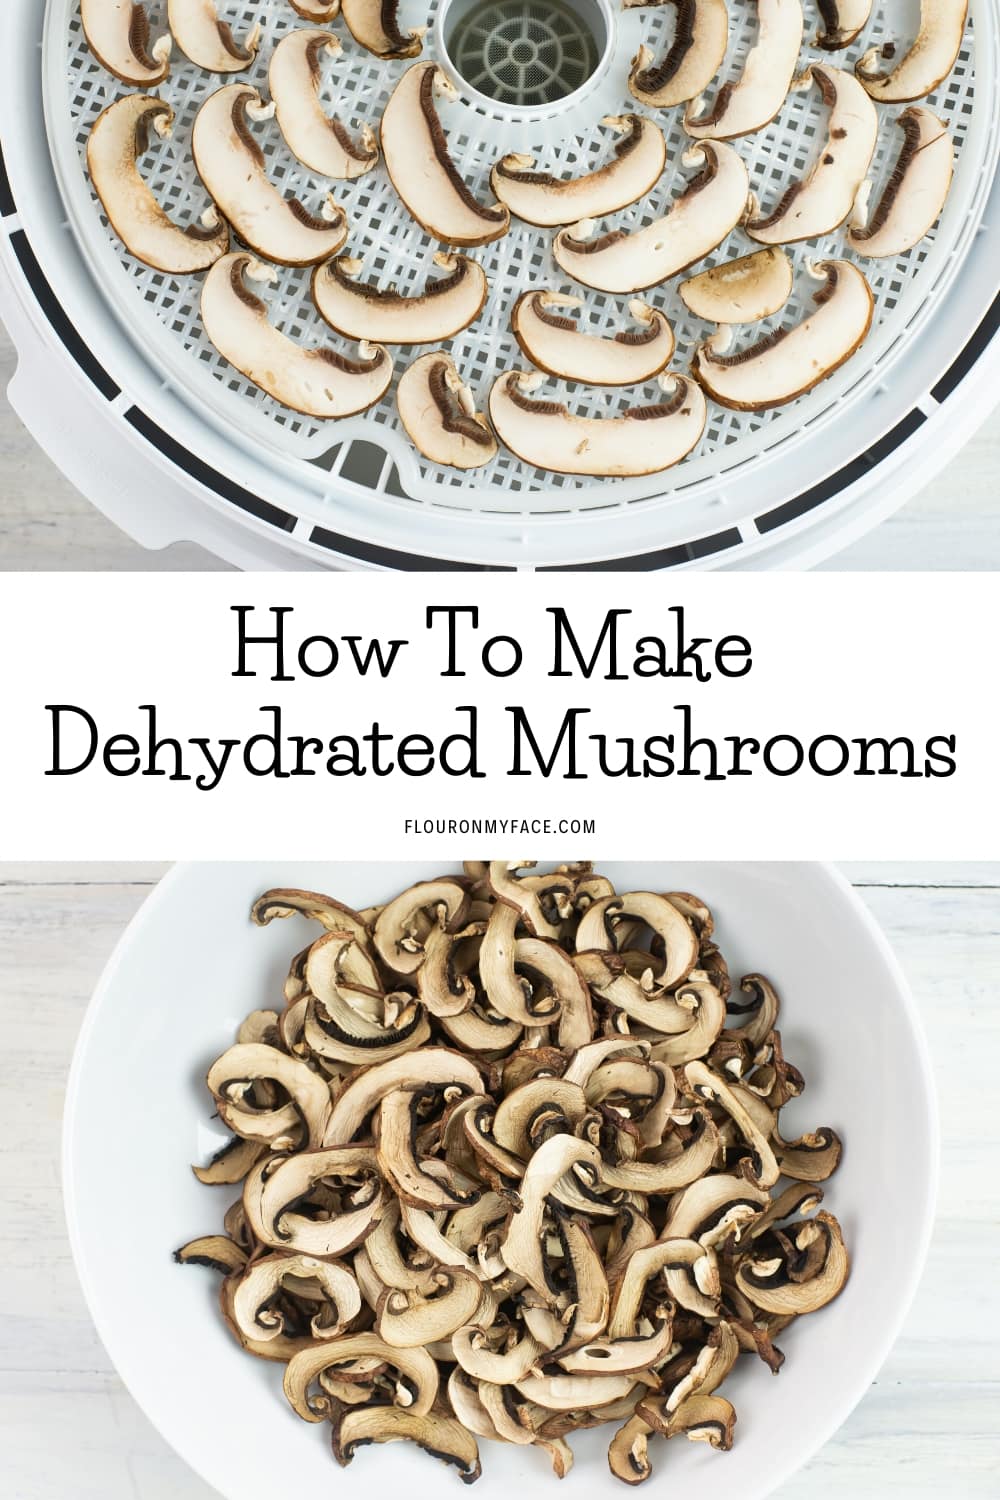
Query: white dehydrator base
[{"x": 141, "y": 455}]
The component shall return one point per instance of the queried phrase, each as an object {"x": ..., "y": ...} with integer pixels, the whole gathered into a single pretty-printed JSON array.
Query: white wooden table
[
  {"x": 44, "y": 523},
  {"x": 929, "y": 1429}
]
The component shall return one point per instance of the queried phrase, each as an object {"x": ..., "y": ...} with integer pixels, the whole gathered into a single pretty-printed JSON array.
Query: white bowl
[{"x": 191, "y": 966}]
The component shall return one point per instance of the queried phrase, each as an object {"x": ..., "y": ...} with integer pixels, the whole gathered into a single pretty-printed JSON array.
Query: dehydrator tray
[{"x": 160, "y": 314}]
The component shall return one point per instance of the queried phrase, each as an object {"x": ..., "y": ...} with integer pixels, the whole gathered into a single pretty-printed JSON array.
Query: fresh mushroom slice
[
  {"x": 740, "y": 291},
  {"x": 421, "y": 169},
  {"x": 375, "y": 25},
  {"x": 319, "y": 382},
  {"x": 441, "y": 1435},
  {"x": 121, "y": 134},
  {"x": 822, "y": 200},
  {"x": 752, "y": 100},
  {"x": 216, "y": 1251},
  {"x": 117, "y": 33},
  {"x": 915, "y": 193},
  {"x": 928, "y": 62},
  {"x": 439, "y": 413},
  {"x": 842, "y": 22},
  {"x": 811, "y": 1272},
  {"x": 539, "y": 198},
  {"x": 295, "y": 80},
  {"x": 713, "y": 202},
  {"x": 231, "y": 164},
  {"x": 557, "y": 345},
  {"x": 208, "y": 42},
  {"x": 358, "y": 309},
  {"x": 692, "y": 60},
  {"x": 643, "y": 440},
  {"x": 790, "y": 361}
]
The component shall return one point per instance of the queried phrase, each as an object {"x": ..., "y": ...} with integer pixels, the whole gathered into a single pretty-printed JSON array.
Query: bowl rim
[{"x": 130, "y": 1373}]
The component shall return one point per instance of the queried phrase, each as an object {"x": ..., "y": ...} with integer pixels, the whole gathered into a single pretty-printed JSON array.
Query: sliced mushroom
[
  {"x": 439, "y": 1434},
  {"x": 295, "y": 80},
  {"x": 749, "y": 103},
  {"x": 539, "y": 198},
  {"x": 434, "y": 1066},
  {"x": 418, "y": 1374},
  {"x": 375, "y": 25},
  {"x": 692, "y": 60},
  {"x": 208, "y": 42},
  {"x": 628, "y": 1454},
  {"x": 790, "y": 361},
  {"x": 439, "y": 413},
  {"x": 421, "y": 169},
  {"x": 121, "y": 134},
  {"x": 403, "y": 922},
  {"x": 712, "y": 204},
  {"x": 740, "y": 291},
  {"x": 712, "y": 1208},
  {"x": 843, "y": 21},
  {"x": 117, "y": 33},
  {"x": 230, "y": 1164},
  {"x": 319, "y": 382},
  {"x": 557, "y": 345},
  {"x": 216, "y": 1251},
  {"x": 276, "y": 1192},
  {"x": 823, "y": 200},
  {"x": 279, "y": 904},
  {"x": 643, "y": 440},
  {"x": 231, "y": 164},
  {"x": 316, "y": 10},
  {"x": 701, "y": 1419},
  {"x": 929, "y": 60},
  {"x": 412, "y": 1319},
  {"x": 708, "y": 1085},
  {"x": 523, "y": 1249},
  {"x": 253, "y": 1291},
  {"x": 358, "y": 309},
  {"x": 779, "y": 1285},
  {"x": 915, "y": 193},
  {"x": 232, "y": 1075},
  {"x": 812, "y": 1158}
]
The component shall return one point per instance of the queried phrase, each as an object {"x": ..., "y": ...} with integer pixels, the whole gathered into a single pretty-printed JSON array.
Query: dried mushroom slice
[
  {"x": 539, "y": 198},
  {"x": 790, "y": 361},
  {"x": 358, "y": 309},
  {"x": 842, "y": 22},
  {"x": 928, "y": 61},
  {"x": 740, "y": 291},
  {"x": 208, "y": 42},
  {"x": 695, "y": 55},
  {"x": 914, "y": 195},
  {"x": 118, "y": 35},
  {"x": 319, "y": 382},
  {"x": 231, "y": 164},
  {"x": 320, "y": 142},
  {"x": 421, "y": 169},
  {"x": 560, "y": 347},
  {"x": 753, "y": 100},
  {"x": 316, "y": 10},
  {"x": 439, "y": 413},
  {"x": 121, "y": 134},
  {"x": 644, "y": 440},
  {"x": 572, "y": 1217},
  {"x": 822, "y": 201},
  {"x": 231, "y": 1163},
  {"x": 712, "y": 203},
  {"x": 375, "y": 25}
]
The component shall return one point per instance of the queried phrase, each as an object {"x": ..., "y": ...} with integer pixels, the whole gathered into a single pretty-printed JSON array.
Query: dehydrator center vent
[{"x": 523, "y": 52}]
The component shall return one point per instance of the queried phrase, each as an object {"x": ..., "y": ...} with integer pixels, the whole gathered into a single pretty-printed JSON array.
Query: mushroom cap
[
  {"x": 788, "y": 363},
  {"x": 557, "y": 345},
  {"x": 232, "y": 166},
  {"x": 640, "y": 155},
  {"x": 439, "y": 414},
  {"x": 117, "y": 33},
  {"x": 359, "y": 310},
  {"x": 711, "y": 204},
  {"x": 319, "y": 382},
  {"x": 740, "y": 291},
  {"x": 421, "y": 169},
  {"x": 208, "y": 42},
  {"x": 295, "y": 78},
  {"x": 120, "y": 135},
  {"x": 748, "y": 104}
]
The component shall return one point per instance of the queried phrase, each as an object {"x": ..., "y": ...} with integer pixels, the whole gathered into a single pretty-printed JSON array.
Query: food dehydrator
[{"x": 118, "y": 383}]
